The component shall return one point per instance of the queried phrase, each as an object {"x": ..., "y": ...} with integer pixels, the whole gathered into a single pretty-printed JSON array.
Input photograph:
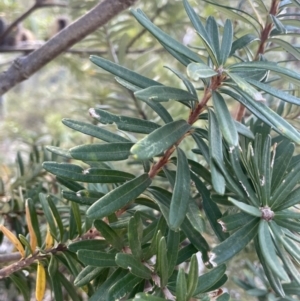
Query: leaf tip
[{"x": 93, "y": 113}]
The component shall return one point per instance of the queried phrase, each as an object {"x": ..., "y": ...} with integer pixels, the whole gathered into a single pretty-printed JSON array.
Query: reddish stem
[
  {"x": 215, "y": 83},
  {"x": 264, "y": 35}
]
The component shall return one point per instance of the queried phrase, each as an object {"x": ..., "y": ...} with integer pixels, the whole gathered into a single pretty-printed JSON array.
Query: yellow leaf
[
  {"x": 33, "y": 239},
  {"x": 40, "y": 282},
  {"x": 14, "y": 240},
  {"x": 49, "y": 239}
]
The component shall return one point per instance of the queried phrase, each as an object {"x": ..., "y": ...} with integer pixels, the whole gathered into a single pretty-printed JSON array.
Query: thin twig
[
  {"x": 25, "y": 262},
  {"x": 29, "y": 49},
  {"x": 24, "y": 67},
  {"x": 264, "y": 35},
  {"x": 114, "y": 55},
  {"x": 144, "y": 30}
]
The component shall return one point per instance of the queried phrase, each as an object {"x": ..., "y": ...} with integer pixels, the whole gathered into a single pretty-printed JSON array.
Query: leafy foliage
[{"x": 126, "y": 234}]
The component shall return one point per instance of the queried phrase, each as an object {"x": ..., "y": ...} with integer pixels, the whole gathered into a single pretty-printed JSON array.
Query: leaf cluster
[{"x": 129, "y": 230}]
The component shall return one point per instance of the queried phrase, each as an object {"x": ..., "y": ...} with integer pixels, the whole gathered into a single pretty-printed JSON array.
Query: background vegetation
[{"x": 71, "y": 84}]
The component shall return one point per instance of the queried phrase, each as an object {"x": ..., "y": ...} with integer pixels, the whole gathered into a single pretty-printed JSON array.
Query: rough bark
[{"x": 23, "y": 67}]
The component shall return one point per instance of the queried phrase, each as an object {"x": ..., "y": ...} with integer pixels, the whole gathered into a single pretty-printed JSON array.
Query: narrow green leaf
[
  {"x": 202, "y": 147},
  {"x": 164, "y": 198},
  {"x": 20, "y": 164},
  {"x": 147, "y": 297},
  {"x": 243, "y": 130},
  {"x": 185, "y": 253},
  {"x": 71, "y": 290},
  {"x": 160, "y": 140},
  {"x": 135, "y": 235},
  {"x": 211, "y": 209},
  {"x": 243, "y": 180},
  {"x": 159, "y": 110},
  {"x": 21, "y": 283},
  {"x": 164, "y": 38},
  {"x": 242, "y": 42},
  {"x": 77, "y": 197},
  {"x": 200, "y": 29},
  {"x": 173, "y": 241},
  {"x": 216, "y": 152},
  {"x": 127, "y": 261},
  {"x": 70, "y": 263},
  {"x": 276, "y": 121},
  {"x": 88, "y": 274},
  {"x": 235, "y": 221},
  {"x": 48, "y": 215},
  {"x": 181, "y": 286},
  {"x": 125, "y": 123},
  {"x": 287, "y": 243},
  {"x": 286, "y": 46},
  {"x": 102, "y": 292},
  {"x": 254, "y": 211},
  {"x": 288, "y": 224},
  {"x": 192, "y": 279},
  {"x": 265, "y": 171},
  {"x": 235, "y": 243},
  {"x": 93, "y": 130},
  {"x": 254, "y": 74},
  {"x": 274, "y": 281},
  {"x": 269, "y": 251},
  {"x": 163, "y": 94},
  {"x": 289, "y": 265},
  {"x": 195, "y": 71},
  {"x": 181, "y": 193},
  {"x": 291, "y": 200},
  {"x": 127, "y": 84},
  {"x": 224, "y": 297},
  {"x": 245, "y": 87},
  {"x": 226, "y": 123},
  {"x": 291, "y": 288},
  {"x": 186, "y": 82},
  {"x": 72, "y": 225},
  {"x": 119, "y": 197},
  {"x": 194, "y": 216},
  {"x": 102, "y": 152},
  {"x": 278, "y": 25},
  {"x": 56, "y": 216},
  {"x": 284, "y": 153},
  {"x": 285, "y": 187},
  {"x": 292, "y": 75},
  {"x": 248, "y": 103},
  {"x": 236, "y": 14},
  {"x": 162, "y": 262},
  {"x": 137, "y": 289},
  {"x": 124, "y": 73},
  {"x": 91, "y": 175},
  {"x": 200, "y": 170},
  {"x": 196, "y": 239},
  {"x": 89, "y": 244},
  {"x": 226, "y": 45},
  {"x": 73, "y": 186},
  {"x": 34, "y": 221},
  {"x": 122, "y": 287},
  {"x": 275, "y": 92},
  {"x": 286, "y": 214},
  {"x": 212, "y": 30},
  {"x": 207, "y": 280},
  {"x": 97, "y": 258},
  {"x": 55, "y": 284},
  {"x": 59, "y": 151},
  {"x": 184, "y": 60},
  {"x": 109, "y": 234}
]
